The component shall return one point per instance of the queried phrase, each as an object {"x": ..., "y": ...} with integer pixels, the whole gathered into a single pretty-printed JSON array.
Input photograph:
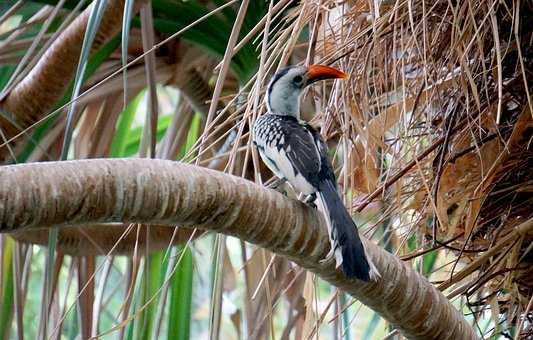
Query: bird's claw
[
  {"x": 311, "y": 204},
  {"x": 329, "y": 256},
  {"x": 277, "y": 185},
  {"x": 310, "y": 200}
]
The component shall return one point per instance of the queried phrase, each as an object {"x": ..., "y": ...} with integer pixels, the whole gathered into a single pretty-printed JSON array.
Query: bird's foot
[
  {"x": 276, "y": 183},
  {"x": 310, "y": 200},
  {"x": 329, "y": 256}
]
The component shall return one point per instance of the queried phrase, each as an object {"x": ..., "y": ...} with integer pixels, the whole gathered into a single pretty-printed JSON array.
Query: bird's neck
[{"x": 286, "y": 103}]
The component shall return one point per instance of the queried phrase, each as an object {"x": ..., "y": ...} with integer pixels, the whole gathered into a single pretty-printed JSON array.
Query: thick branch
[
  {"x": 170, "y": 193},
  {"x": 104, "y": 239}
]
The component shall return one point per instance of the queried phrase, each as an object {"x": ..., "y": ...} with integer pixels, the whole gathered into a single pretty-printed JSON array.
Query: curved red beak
[{"x": 322, "y": 72}]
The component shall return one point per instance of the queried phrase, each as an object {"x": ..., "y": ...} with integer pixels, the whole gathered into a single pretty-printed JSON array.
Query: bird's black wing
[{"x": 305, "y": 150}]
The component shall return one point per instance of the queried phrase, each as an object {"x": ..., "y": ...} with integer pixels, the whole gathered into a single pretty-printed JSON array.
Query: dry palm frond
[{"x": 436, "y": 124}]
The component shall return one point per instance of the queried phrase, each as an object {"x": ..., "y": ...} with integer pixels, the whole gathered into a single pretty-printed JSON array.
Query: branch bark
[
  {"x": 105, "y": 238},
  {"x": 43, "y": 195}
]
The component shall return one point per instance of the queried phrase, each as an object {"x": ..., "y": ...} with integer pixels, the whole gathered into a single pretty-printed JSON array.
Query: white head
[{"x": 286, "y": 86}]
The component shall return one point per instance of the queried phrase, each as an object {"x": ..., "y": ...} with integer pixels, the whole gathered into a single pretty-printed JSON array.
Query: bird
[{"x": 295, "y": 152}]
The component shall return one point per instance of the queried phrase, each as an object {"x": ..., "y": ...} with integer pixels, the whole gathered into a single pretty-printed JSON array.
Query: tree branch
[
  {"x": 103, "y": 239},
  {"x": 42, "y": 195}
]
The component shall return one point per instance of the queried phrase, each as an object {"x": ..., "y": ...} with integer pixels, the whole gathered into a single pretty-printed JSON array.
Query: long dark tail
[{"x": 343, "y": 234}]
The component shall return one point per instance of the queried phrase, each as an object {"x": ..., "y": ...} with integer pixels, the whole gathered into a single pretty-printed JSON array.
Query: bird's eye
[{"x": 298, "y": 80}]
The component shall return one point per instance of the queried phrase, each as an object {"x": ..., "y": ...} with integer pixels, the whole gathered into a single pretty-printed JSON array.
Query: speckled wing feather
[
  {"x": 292, "y": 150},
  {"x": 303, "y": 150}
]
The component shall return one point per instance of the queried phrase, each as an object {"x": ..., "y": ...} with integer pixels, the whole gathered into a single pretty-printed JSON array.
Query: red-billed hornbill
[{"x": 295, "y": 152}]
